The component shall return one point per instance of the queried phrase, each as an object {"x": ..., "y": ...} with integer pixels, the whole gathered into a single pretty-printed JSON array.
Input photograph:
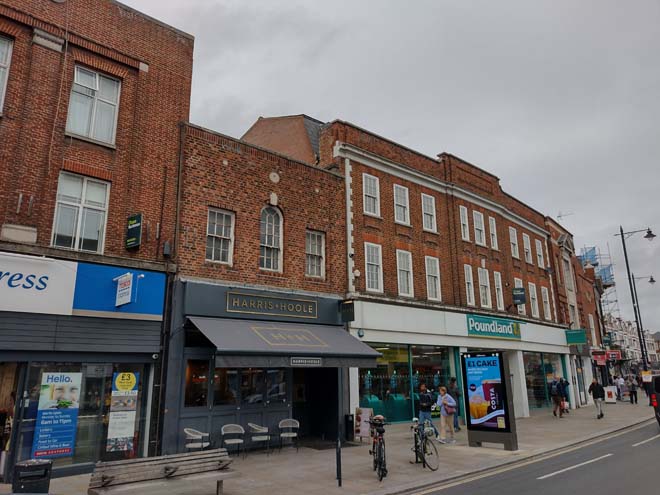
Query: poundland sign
[{"x": 492, "y": 328}]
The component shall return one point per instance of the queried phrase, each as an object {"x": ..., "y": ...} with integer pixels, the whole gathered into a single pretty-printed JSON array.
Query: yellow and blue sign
[{"x": 493, "y": 328}]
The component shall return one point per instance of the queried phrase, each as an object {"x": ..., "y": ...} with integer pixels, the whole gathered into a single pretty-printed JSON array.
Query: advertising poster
[
  {"x": 485, "y": 392},
  {"x": 362, "y": 417},
  {"x": 123, "y": 409},
  {"x": 57, "y": 415}
]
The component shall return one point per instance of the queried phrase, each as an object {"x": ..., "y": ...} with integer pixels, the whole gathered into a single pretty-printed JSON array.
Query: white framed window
[
  {"x": 493, "y": 233},
  {"x": 315, "y": 254},
  {"x": 568, "y": 277},
  {"x": 469, "y": 285},
  {"x": 499, "y": 291},
  {"x": 545, "y": 297},
  {"x": 592, "y": 328},
  {"x": 572, "y": 313},
  {"x": 533, "y": 300},
  {"x": 527, "y": 249},
  {"x": 540, "y": 259},
  {"x": 404, "y": 273},
  {"x": 93, "y": 106},
  {"x": 465, "y": 225},
  {"x": 401, "y": 205},
  {"x": 220, "y": 236},
  {"x": 518, "y": 283},
  {"x": 484, "y": 288},
  {"x": 371, "y": 195},
  {"x": 81, "y": 213},
  {"x": 513, "y": 239},
  {"x": 433, "y": 291},
  {"x": 479, "y": 228},
  {"x": 428, "y": 213},
  {"x": 5, "y": 59},
  {"x": 373, "y": 267},
  {"x": 270, "y": 240}
]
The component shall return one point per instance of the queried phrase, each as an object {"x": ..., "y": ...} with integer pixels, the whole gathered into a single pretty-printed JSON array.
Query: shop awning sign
[
  {"x": 493, "y": 328},
  {"x": 306, "y": 362},
  {"x": 576, "y": 337}
]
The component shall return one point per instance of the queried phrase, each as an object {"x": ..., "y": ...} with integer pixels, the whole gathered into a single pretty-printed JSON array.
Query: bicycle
[
  {"x": 378, "y": 445},
  {"x": 425, "y": 449}
]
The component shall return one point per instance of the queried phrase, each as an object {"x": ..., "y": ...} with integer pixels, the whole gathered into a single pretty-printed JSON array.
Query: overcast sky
[{"x": 560, "y": 99}]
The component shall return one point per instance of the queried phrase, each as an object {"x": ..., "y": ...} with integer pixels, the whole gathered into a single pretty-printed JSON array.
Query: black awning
[{"x": 260, "y": 344}]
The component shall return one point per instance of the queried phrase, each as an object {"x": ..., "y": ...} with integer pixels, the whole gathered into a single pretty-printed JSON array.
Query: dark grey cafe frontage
[{"x": 242, "y": 356}]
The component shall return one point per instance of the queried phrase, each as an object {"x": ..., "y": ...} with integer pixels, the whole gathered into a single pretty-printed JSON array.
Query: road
[{"x": 623, "y": 464}]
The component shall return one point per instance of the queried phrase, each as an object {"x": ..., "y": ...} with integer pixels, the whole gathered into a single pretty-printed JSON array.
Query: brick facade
[{"x": 153, "y": 63}]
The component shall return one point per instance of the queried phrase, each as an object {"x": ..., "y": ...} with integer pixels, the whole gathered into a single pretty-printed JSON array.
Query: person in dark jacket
[
  {"x": 425, "y": 406},
  {"x": 564, "y": 393},
  {"x": 598, "y": 393}
]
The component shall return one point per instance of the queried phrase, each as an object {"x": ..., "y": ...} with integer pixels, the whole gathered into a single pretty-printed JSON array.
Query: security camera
[{"x": 154, "y": 357}]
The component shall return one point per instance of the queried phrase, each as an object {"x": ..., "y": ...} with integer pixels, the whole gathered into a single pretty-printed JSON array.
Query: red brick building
[{"x": 91, "y": 96}]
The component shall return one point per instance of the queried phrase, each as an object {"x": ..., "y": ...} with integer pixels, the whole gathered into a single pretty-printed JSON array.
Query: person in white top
[{"x": 620, "y": 382}]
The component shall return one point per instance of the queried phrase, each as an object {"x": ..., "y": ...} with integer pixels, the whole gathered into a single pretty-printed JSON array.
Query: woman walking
[{"x": 447, "y": 410}]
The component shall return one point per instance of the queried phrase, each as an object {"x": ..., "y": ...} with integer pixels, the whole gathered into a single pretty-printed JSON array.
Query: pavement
[{"x": 312, "y": 472}]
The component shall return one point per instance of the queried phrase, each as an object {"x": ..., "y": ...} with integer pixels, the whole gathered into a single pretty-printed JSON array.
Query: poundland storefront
[{"x": 424, "y": 345}]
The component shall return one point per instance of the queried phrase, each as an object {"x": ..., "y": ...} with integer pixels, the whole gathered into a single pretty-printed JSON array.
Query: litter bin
[
  {"x": 349, "y": 424},
  {"x": 32, "y": 476}
]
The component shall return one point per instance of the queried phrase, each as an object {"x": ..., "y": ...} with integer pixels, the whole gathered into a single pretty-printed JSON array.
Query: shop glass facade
[{"x": 540, "y": 368}]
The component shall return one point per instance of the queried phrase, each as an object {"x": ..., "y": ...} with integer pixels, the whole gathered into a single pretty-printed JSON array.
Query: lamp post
[
  {"x": 642, "y": 343},
  {"x": 649, "y": 236}
]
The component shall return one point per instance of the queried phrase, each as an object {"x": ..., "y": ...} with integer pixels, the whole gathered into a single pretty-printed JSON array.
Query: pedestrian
[
  {"x": 555, "y": 395},
  {"x": 563, "y": 391},
  {"x": 598, "y": 393},
  {"x": 456, "y": 394},
  {"x": 447, "y": 410},
  {"x": 618, "y": 388},
  {"x": 621, "y": 383},
  {"x": 632, "y": 385},
  {"x": 425, "y": 406}
]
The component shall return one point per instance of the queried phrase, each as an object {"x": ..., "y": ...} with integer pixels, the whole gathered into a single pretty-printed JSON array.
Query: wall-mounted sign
[
  {"x": 519, "y": 295},
  {"x": 613, "y": 355},
  {"x": 123, "y": 407},
  {"x": 576, "y": 337},
  {"x": 347, "y": 310},
  {"x": 306, "y": 362},
  {"x": 600, "y": 357},
  {"x": 239, "y": 302},
  {"x": 57, "y": 416},
  {"x": 134, "y": 231},
  {"x": 492, "y": 328},
  {"x": 124, "y": 289}
]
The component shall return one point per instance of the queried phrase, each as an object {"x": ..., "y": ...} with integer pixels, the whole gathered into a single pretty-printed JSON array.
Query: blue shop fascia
[{"x": 80, "y": 345}]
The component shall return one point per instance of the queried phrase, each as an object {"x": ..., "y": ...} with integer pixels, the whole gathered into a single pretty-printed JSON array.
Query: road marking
[
  {"x": 574, "y": 467},
  {"x": 645, "y": 441}
]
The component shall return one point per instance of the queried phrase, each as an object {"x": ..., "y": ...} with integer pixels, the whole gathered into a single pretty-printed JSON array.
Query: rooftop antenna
[{"x": 561, "y": 214}]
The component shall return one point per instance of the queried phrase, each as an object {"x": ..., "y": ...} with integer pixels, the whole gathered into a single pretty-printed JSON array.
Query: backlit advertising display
[{"x": 485, "y": 392}]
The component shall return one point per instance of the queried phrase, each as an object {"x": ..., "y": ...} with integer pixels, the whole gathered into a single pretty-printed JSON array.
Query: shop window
[
  {"x": 430, "y": 365},
  {"x": 197, "y": 375},
  {"x": 252, "y": 386},
  {"x": 276, "y": 386},
  {"x": 225, "y": 387},
  {"x": 5, "y": 58}
]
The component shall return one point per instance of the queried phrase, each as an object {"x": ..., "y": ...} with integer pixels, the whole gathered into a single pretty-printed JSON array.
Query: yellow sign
[
  {"x": 125, "y": 382},
  {"x": 647, "y": 376}
]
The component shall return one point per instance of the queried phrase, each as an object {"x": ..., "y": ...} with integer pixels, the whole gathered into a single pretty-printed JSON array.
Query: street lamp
[
  {"x": 649, "y": 236},
  {"x": 642, "y": 341}
]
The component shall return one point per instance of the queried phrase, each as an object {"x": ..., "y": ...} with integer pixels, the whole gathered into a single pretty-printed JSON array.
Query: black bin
[
  {"x": 32, "y": 476},
  {"x": 349, "y": 425}
]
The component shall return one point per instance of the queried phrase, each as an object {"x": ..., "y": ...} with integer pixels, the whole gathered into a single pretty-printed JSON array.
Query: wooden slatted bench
[{"x": 166, "y": 474}]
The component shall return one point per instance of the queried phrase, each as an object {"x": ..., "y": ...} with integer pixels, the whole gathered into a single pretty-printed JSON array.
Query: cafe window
[
  {"x": 276, "y": 385},
  {"x": 252, "y": 386},
  {"x": 225, "y": 387},
  {"x": 197, "y": 374}
]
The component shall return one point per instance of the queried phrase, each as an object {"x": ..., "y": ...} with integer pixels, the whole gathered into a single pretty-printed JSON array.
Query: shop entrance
[{"x": 315, "y": 402}]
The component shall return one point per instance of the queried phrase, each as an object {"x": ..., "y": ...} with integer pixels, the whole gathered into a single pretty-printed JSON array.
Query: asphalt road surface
[{"x": 626, "y": 464}]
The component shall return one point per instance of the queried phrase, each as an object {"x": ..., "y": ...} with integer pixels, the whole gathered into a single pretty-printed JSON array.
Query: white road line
[
  {"x": 574, "y": 467},
  {"x": 645, "y": 441}
]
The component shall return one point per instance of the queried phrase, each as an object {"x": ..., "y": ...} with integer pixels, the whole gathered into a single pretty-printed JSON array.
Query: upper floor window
[
  {"x": 469, "y": 284},
  {"x": 371, "y": 195},
  {"x": 499, "y": 292},
  {"x": 465, "y": 226},
  {"x": 428, "y": 213},
  {"x": 518, "y": 283},
  {"x": 568, "y": 277},
  {"x": 373, "y": 261},
  {"x": 404, "y": 273},
  {"x": 484, "y": 288},
  {"x": 80, "y": 213},
  {"x": 270, "y": 240},
  {"x": 479, "y": 228},
  {"x": 220, "y": 236},
  {"x": 545, "y": 296},
  {"x": 533, "y": 300},
  {"x": 513, "y": 238},
  {"x": 540, "y": 259},
  {"x": 5, "y": 58},
  {"x": 592, "y": 328},
  {"x": 315, "y": 254},
  {"x": 527, "y": 248},
  {"x": 93, "y": 106},
  {"x": 433, "y": 278},
  {"x": 401, "y": 205},
  {"x": 572, "y": 313},
  {"x": 493, "y": 233}
]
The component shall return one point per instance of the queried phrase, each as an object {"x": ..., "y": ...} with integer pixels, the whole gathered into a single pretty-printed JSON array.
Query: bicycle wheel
[
  {"x": 430, "y": 453},
  {"x": 374, "y": 453},
  {"x": 382, "y": 469}
]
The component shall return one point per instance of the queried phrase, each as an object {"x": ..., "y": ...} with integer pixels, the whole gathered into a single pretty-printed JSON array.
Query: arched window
[{"x": 270, "y": 240}]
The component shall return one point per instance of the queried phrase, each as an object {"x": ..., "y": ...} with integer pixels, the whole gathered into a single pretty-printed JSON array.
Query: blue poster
[
  {"x": 57, "y": 416},
  {"x": 485, "y": 391}
]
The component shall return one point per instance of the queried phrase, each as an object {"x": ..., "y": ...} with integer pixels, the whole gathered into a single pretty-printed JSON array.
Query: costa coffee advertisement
[{"x": 485, "y": 392}]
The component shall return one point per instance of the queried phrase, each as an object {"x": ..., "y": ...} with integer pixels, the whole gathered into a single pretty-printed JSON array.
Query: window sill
[
  {"x": 466, "y": 240},
  {"x": 372, "y": 215},
  {"x": 403, "y": 224},
  {"x": 480, "y": 244},
  {"x": 431, "y": 231},
  {"x": 90, "y": 140},
  {"x": 71, "y": 250},
  {"x": 218, "y": 263},
  {"x": 312, "y": 278}
]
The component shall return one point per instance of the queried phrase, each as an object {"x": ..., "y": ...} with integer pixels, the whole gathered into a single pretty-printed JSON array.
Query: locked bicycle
[
  {"x": 378, "y": 445},
  {"x": 426, "y": 452}
]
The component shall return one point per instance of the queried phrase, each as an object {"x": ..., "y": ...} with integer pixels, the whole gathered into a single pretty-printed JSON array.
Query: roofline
[
  {"x": 552, "y": 220},
  {"x": 154, "y": 20},
  {"x": 265, "y": 150}
]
